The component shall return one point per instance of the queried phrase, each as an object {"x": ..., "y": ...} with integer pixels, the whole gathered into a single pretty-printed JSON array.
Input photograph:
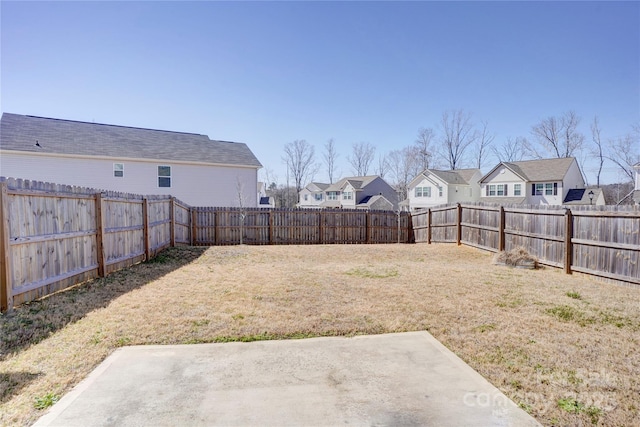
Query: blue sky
[{"x": 268, "y": 73}]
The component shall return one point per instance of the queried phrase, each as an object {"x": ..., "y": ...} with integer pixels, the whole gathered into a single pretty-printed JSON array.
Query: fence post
[
  {"x": 429, "y": 226},
  {"x": 271, "y": 226},
  {"x": 568, "y": 247},
  {"x": 367, "y": 224},
  {"x": 192, "y": 226},
  {"x": 6, "y": 287},
  {"x": 322, "y": 236},
  {"x": 172, "y": 218},
  {"x": 459, "y": 233},
  {"x": 501, "y": 242},
  {"x": 102, "y": 264},
  {"x": 145, "y": 226}
]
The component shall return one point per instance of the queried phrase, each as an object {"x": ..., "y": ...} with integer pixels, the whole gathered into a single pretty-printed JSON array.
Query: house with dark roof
[
  {"x": 437, "y": 187},
  {"x": 538, "y": 182},
  {"x": 357, "y": 192},
  {"x": 189, "y": 166}
]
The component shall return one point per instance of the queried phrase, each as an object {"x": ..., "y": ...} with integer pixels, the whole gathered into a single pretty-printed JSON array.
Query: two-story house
[
  {"x": 195, "y": 169},
  {"x": 358, "y": 192},
  {"x": 536, "y": 182},
  {"x": 436, "y": 187},
  {"x": 312, "y": 195}
]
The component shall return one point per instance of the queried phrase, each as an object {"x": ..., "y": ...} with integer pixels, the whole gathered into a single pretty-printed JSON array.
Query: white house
[
  {"x": 435, "y": 187},
  {"x": 358, "y": 192},
  {"x": 312, "y": 195},
  {"x": 636, "y": 193},
  {"x": 536, "y": 182},
  {"x": 189, "y": 166}
]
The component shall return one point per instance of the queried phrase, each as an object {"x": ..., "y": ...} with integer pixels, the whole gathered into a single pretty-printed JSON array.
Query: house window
[
  {"x": 501, "y": 190},
  {"x": 118, "y": 170},
  {"x": 164, "y": 176},
  {"x": 539, "y": 188},
  {"x": 548, "y": 189},
  {"x": 318, "y": 196},
  {"x": 423, "y": 192},
  {"x": 439, "y": 191},
  {"x": 306, "y": 197},
  {"x": 347, "y": 195},
  {"x": 332, "y": 195},
  {"x": 492, "y": 190},
  {"x": 517, "y": 189}
]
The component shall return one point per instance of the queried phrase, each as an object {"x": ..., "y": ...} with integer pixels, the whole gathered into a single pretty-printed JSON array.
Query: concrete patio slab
[{"x": 404, "y": 379}]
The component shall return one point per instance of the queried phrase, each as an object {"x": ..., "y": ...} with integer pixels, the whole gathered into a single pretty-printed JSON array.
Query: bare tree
[
  {"x": 512, "y": 150},
  {"x": 299, "y": 156},
  {"x": 557, "y": 136},
  {"x": 382, "y": 167},
  {"x": 424, "y": 150},
  {"x": 361, "y": 158},
  {"x": 483, "y": 142},
  {"x": 458, "y": 135},
  {"x": 403, "y": 166},
  {"x": 597, "y": 147},
  {"x": 625, "y": 151},
  {"x": 243, "y": 198},
  {"x": 330, "y": 157}
]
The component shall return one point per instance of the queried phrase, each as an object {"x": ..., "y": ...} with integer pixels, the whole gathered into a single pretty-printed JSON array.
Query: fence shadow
[
  {"x": 32, "y": 322},
  {"x": 11, "y": 383}
]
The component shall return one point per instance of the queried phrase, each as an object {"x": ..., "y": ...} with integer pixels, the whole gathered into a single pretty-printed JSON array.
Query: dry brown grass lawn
[{"x": 565, "y": 348}]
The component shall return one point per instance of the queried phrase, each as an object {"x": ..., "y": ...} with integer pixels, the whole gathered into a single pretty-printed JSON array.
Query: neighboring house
[
  {"x": 535, "y": 182},
  {"x": 312, "y": 195},
  {"x": 264, "y": 201},
  {"x": 358, "y": 192},
  {"x": 189, "y": 166},
  {"x": 636, "y": 192},
  {"x": 435, "y": 187}
]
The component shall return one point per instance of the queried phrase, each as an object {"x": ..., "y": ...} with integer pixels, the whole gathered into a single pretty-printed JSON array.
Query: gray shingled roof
[
  {"x": 20, "y": 133},
  {"x": 539, "y": 170},
  {"x": 358, "y": 182},
  {"x": 458, "y": 176},
  {"x": 504, "y": 200}
]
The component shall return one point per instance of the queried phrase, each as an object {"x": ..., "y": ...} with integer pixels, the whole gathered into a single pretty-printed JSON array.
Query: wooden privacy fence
[
  {"x": 55, "y": 236},
  {"x": 601, "y": 241},
  {"x": 259, "y": 226}
]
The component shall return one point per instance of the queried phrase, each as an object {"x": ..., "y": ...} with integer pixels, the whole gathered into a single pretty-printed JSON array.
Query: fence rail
[
  {"x": 55, "y": 236},
  {"x": 598, "y": 241}
]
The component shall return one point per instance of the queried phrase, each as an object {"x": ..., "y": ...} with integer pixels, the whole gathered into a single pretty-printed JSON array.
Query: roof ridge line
[{"x": 117, "y": 126}]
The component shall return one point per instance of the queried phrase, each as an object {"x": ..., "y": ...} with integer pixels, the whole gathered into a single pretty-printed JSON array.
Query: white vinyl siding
[{"x": 141, "y": 177}]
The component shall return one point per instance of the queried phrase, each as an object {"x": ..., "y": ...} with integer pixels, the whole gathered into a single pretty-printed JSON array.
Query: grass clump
[
  {"x": 43, "y": 402},
  {"x": 567, "y": 313},
  {"x": 574, "y": 295}
]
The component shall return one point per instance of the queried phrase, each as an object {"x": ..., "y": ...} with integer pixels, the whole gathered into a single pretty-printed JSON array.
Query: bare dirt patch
[{"x": 565, "y": 348}]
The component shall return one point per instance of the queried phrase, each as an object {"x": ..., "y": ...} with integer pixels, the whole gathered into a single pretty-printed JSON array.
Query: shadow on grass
[
  {"x": 12, "y": 383},
  {"x": 30, "y": 323}
]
